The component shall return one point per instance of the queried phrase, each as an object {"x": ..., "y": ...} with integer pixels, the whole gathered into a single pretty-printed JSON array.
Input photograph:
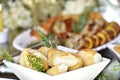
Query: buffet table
[{"x": 7, "y": 73}]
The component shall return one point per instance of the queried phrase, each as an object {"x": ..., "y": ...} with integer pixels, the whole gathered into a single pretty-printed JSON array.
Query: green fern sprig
[
  {"x": 6, "y": 55},
  {"x": 47, "y": 40}
]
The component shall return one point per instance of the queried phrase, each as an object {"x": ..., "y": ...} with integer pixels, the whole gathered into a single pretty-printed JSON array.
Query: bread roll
[
  {"x": 58, "y": 69},
  {"x": 89, "y": 56},
  {"x": 44, "y": 50},
  {"x": 33, "y": 59},
  {"x": 57, "y": 57}
]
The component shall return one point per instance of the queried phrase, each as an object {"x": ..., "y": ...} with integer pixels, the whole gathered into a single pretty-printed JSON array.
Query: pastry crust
[
  {"x": 57, "y": 57},
  {"x": 117, "y": 48},
  {"x": 58, "y": 69},
  {"x": 44, "y": 50},
  {"x": 57, "y": 61},
  {"x": 89, "y": 56},
  {"x": 23, "y": 59}
]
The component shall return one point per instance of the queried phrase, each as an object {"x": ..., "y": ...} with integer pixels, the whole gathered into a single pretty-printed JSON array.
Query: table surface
[{"x": 12, "y": 34}]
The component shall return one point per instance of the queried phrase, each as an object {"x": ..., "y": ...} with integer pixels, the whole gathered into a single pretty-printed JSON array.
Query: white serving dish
[
  {"x": 25, "y": 38},
  {"x": 111, "y": 47},
  {"x": 85, "y": 73}
]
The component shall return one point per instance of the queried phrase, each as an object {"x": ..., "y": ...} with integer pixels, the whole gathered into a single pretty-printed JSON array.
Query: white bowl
[{"x": 85, "y": 73}]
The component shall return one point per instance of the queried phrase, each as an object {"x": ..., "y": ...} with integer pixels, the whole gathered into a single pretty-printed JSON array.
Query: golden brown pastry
[
  {"x": 114, "y": 27},
  {"x": 89, "y": 56},
  {"x": 44, "y": 50},
  {"x": 96, "y": 40},
  {"x": 56, "y": 57},
  {"x": 117, "y": 48},
  {"x": 89, "y": 42},
  {"x": 106, "y": 34},
  {"x": 58, "y": 69},
  {"x": 102, "y": 37},
  {"x": 33, "y": 59}
]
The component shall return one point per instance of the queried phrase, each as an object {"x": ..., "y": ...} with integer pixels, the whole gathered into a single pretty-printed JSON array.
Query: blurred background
[
  {"x": 19, "y": 15},
  {"x": 25, "y": 14}
]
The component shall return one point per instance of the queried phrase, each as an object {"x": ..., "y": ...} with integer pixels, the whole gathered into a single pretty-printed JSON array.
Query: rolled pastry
[
  {"x": 58, "y": 69},
  {"x": 56, "y": 57},
  {"x": 89, "y": 56},
  {"x": 33, "y": 59},
  {"x": 44, "y": 50}
]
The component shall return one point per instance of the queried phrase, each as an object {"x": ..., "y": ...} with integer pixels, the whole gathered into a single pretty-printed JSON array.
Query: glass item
[{"x": 4, "y": 35}]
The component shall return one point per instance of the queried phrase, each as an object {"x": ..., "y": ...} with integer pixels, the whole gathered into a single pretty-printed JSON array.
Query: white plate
[
  {"x": 115, "y": 40},
  {"x": 85, "y": 73},
  {"x": 111, "y": 47},
  {"x": 25, "y": 38}
]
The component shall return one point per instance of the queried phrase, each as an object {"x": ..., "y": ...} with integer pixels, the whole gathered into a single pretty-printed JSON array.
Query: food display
[
  {"x": 117, "y": 48},
  {"x": 69, "y": 31},
  {"x": 54, "y": 61},
  {"x": 67, "y": 40}
]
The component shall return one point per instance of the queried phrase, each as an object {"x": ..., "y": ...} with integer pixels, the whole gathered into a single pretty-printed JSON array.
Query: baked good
[
  {"x": 33, "y": 59},
  {"x": 56, "y": 57},
  {"x": 89, "y": 56},
  {"x": 95, "y": 33},
  {"x": 44, "y": 50},
  {"x": 58, "y": 69},
  {"x": 117, "y": 48}
]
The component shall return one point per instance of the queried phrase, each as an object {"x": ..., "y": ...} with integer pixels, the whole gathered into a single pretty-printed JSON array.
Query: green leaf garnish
[
  {"x": 116, "y": 68},
  {"x": 32, "y": 44},
  {"x": 47, "y": 40},
  {"x": 6, "y": 55},
  {"x": 103, "y": 76},
  {"x": 1, "y": 57},
  {"x": 35, "y": 62},
  {"x": 83, "y": 20},
  {"x": 97, "y": 4}
]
